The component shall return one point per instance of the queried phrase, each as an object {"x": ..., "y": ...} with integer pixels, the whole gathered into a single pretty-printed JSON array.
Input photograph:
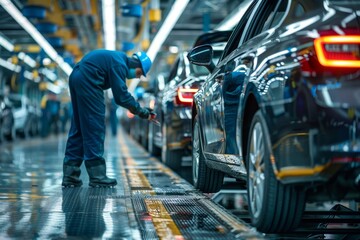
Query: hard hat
[{"x": 144, "y": 61}]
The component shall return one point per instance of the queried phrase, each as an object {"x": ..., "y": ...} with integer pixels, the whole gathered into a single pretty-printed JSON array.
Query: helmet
[{"x": 144, "y": 60}]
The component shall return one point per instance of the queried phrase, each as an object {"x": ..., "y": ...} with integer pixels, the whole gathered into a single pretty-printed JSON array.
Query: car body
[
  {"x": 280, "y": 110},
  {"x": 26, "y": 119},
  {"x": 175, "y": 116},
  {"x": 7, "y": 128},
  {"x": 174, "y": 103}
]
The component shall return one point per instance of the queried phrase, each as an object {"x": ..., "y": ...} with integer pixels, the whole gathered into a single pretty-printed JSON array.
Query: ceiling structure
[{"x": 80, "y": 30}]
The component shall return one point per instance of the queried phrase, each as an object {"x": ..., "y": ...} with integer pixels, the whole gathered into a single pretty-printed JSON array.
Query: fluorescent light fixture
[
  {"x": 9, "y": 65},
  {"x": 28, "y": 75},
  {"x": 6, "y": 44},
  {"x": 27, "y": 59},
  {"x": 108, "y": 13},
  {"x": 49, "y": 74},
  {"x": 34, "y": 33},
  {"x": 230, "y": 22},
  {"x": 173, "y": 49},
  {"x": 46, "y": 61},
  {"x": 175, "y": 12},
  {"x": 52, "y": 87}
]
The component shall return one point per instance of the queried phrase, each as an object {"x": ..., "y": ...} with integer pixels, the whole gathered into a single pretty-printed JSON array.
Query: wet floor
[{"x": 149, "y": 202}]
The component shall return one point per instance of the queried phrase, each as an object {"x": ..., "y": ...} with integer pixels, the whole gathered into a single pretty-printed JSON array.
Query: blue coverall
[{"x": 97, "y": 71}]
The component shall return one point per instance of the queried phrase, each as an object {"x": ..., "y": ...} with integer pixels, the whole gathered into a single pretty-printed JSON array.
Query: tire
[
  {"x": 171, "y": 158},
  {"x": 152, "y": 148},
  {"x": 144, "y": 137},
  {"x": 12, "y": 135},
  {"x": 1, "y": 133},
  {"x": 273, "y": 206},
  {"x": 204, "y": 178}
]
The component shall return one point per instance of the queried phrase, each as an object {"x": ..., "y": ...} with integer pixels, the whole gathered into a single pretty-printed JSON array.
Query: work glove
[{"x": 144, "y": 113}]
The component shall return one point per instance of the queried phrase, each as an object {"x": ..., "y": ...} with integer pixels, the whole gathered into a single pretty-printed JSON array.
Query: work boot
[
  {"x": 71, "y": 173},
  {"x": 97, "y": 174}
]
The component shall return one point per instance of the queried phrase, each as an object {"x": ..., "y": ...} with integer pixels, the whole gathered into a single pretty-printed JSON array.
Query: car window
[
  {"x": 173, "y": 71},
  {"x": 279, "y": 14},
  {"x": 239, "y": 29},
  {"x": 299, "y": 10},
  {"x": 268, "y": 12}
]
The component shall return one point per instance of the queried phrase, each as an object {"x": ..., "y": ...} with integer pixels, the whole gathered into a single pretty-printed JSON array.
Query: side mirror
[{"x": 202, "y": 56}]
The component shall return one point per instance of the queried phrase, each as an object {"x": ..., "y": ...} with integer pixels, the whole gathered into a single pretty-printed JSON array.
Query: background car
[
  {"x": 280, "y": 110},
  {"x": 173, "y": 105},
  {"x": 7, "y": 128},
  {"x": 26, "y": 119}
]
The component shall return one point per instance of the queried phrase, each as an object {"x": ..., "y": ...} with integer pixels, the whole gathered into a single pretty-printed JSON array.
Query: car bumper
[{"x": 315, "y": 140}]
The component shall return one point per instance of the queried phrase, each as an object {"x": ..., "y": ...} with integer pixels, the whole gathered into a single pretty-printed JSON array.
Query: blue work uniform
[{"x": 97, "y": 71}]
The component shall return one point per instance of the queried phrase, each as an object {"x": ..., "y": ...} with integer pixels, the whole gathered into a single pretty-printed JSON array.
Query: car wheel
[
  {"x": 171, "y": 158},
  {"x": 204, "y": 178},
  {"x": 152, "y": 148},
  {"x": 145, "y": 134},
  {"x": 33, "y": 128},
  {"x": 273, "y": 206},
  {"x": 12, "y": 135}
]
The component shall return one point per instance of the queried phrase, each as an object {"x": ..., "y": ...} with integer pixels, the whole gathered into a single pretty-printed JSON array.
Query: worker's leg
[
  {"x": 74, "y": 152},
  {"x": 92, "y": 121}
]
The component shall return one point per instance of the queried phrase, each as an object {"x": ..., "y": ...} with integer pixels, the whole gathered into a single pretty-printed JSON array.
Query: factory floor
[{"x": 149, "y": 202}]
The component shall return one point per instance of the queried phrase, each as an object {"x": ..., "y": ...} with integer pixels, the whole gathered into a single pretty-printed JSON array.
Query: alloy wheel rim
[{"x": 256, "y": 170}]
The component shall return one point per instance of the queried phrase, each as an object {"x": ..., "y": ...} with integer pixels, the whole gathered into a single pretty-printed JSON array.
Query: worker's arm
[{"x": 121, "y": 94}]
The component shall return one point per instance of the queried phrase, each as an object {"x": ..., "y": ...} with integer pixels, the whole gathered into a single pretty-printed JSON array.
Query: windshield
[{"x": 15, "y": 102}]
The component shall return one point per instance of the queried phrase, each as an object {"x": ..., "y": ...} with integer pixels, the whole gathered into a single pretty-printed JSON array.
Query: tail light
[
  {"x": 185, "y": 96},
  {"x": 338, "y": 51}
]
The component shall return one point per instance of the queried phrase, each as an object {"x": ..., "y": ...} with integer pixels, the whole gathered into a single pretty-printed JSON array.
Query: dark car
[
  {"x": 153, "y": 88},
  {"x": 173, "y": 104},
  {"x": 280, "y": 112},
  {"x": 173, "y": 108},
  {"x": 26, "y": 116},
  {"x": 7, "y": 128}
]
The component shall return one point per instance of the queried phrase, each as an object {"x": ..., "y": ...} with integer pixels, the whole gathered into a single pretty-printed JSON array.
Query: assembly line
[{"x": 179, "y": 119}]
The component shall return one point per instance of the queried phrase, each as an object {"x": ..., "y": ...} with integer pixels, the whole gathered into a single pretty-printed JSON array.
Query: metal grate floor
[{"x": 149, "y": 202}]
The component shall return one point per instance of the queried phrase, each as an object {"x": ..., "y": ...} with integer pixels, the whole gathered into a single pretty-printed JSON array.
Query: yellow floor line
[{"x": 164, "y": 225}]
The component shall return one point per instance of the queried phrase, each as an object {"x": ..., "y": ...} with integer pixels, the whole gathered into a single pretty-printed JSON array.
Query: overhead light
[
  {"x": 108, "y": 13},
  {"x": 46, "y": 61},
  {"x": 6, "y": 44},
  {"x": 175, "y": 12},
  {"x": 173, "y": 49},
  {"x": 9, "y": 65},
  {"x": 49, "y": 74},
  {"x": 35, "y": 34},
  {"x": 27, "y": 59},
  {"x": 230, "y": 22}
]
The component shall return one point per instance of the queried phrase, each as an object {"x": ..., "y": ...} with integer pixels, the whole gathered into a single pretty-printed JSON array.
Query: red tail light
[
  {"x": 338, "y": 51},
  {"x": 185, "y": 96}
]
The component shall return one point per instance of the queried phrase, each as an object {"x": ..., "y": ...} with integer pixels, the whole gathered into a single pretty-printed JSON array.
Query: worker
[{"x": 97, "y": 71}]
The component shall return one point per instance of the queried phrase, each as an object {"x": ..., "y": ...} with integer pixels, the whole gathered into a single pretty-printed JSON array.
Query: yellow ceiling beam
[
  {"x": 27, "y": 48},
  {"x": 95, "y": 13},
  {"x": 64, "y": 33},
  {"x": 42, "y": 3}
]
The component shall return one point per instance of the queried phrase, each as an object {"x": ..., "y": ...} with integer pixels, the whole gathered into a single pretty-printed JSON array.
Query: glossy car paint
[{"x": 270, "y": 66}]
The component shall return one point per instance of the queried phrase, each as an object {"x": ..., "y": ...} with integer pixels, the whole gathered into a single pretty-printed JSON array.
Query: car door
[
  {"x": 213, "y": 108},
  {"x": 225, "y": 86}
]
